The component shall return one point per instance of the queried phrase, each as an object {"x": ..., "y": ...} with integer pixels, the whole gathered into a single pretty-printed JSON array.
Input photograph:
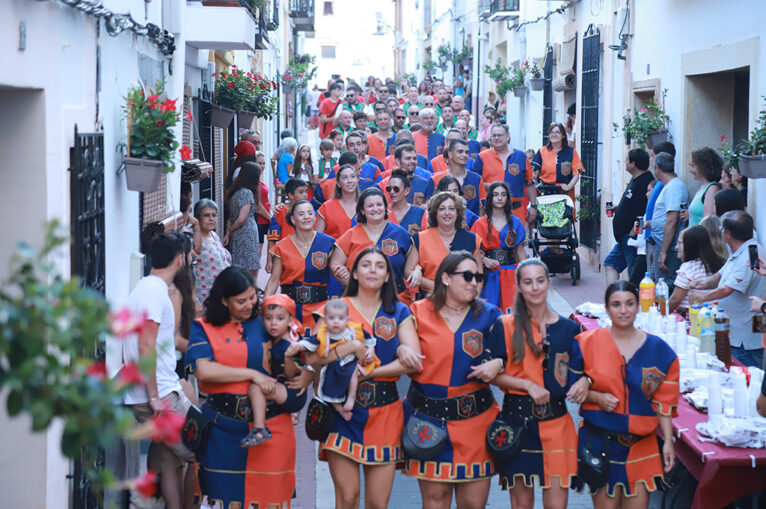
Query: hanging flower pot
[
  {"x": 657, "y": 137},
  {"x": 753, "y": 167},
  {"x": 537, "y": 83},
  {"x": 143, "y": 175},
  {"x": 245, "y": 119},
  {"x": 520, "y": 91},
  {"x": 221, "y": 117}
]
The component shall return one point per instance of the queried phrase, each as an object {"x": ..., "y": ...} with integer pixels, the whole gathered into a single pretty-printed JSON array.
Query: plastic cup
[
  {"x": 691, "y": 356},
  {"x": 715, "y": 403}
]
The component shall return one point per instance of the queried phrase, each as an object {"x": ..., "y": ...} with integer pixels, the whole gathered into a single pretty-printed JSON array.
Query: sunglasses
[
  {"x": 469, "y": 276},
  {"x": 545, "y": 346},
  {"x": 393, "y": 189},
  {"x": 399, "y": 117}
]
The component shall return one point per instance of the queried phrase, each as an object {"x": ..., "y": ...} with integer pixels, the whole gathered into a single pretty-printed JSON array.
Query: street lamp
[{"x": 381, "y": 25}]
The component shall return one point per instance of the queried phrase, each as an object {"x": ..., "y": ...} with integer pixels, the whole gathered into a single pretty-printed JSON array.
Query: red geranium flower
[
  {"x": 147, "y": 485},
  {"x": 152, "y": 100},
  {"x": 131, "y": 375},
  {"x": 167, "y": 426},
  {"x": 723, "y": 139},
  {"x": 230, "y": 85},
  {"x": 189, "y": 115},
  {"x": 185, "y": 152},
  {"x": 97, "y": 370},
  {"x": 126, "y": 322},
  {"x": 168, "y": 105}
]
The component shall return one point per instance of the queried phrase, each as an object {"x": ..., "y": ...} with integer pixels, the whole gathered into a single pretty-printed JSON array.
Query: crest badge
[
  {"x": 510, "y": 237},
  {"x": 418, "y": 199},
  {"x": 470, "y": 192},
  {"x": 651, "y": 380},
  {"x": 473, "y": 342},
  {"x": 561, "y": 368},
  {"x": 319, "y": 260},
  {"x": 566, "y": 169},
  {"x": 384, "y": 328},
  {"x": 388, "y": 246},
  {"x": 513, "y": 169},
  {"x": 466, "y": 406},
  {"x": 365, "y": 394}
]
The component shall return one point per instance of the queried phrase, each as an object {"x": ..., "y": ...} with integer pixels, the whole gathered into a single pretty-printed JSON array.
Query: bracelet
[
  {"x": 154, "y": 399},
  {"x": 590, "y": 381}
]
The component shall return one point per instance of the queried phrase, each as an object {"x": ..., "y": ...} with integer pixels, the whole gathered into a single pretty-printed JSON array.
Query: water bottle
[
  {"x": 661, "y": 292},
  {"x": 646, "y": 293},
  {"x": 707, "y": 330},
  {"x": 722, "y": 345}
]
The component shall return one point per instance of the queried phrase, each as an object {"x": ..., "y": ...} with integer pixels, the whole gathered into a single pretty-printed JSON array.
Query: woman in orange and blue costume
[
  {"x": 634, "y": 390},
  {"x": 502, "y": 237},
  {"x": 372, "y": 437},
  {"x": 301, "y": 264},
  {"x": 229, "y": 349},
  {"x": 449, "y": 392},
  {"x": 535, "y": 344}
]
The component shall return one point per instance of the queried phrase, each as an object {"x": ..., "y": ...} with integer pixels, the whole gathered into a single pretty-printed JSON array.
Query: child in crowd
[
  {"x": 337, "y": 138},
  {"x": 326, "y": 162},
  {"x": 283, "y": 330},
  {"x": 304, "y": 167},
  {"x": 339, "y": 380}
]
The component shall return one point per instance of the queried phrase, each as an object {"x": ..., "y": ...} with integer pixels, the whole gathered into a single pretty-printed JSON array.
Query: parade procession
[{"x": 411, "y": 254}]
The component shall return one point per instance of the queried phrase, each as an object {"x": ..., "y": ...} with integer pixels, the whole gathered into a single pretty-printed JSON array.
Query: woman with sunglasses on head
[
  {"x": 451, "y": 392},
  {"x": 535, "y": 344},
  {"x": 374, "y": 229},
  {"x": 400, "y": 211},
  {"x": 445, "y": 234},
  {"x": 502, "y": 237},
  {"x": 633, "y": 389}
]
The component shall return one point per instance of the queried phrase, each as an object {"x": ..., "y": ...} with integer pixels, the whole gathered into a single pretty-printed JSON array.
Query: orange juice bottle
[{"x": 646, "y": 293}]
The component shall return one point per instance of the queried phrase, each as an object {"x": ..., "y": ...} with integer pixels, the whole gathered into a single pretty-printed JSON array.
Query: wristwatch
[
  {"x": 590, "y": 380},
  {"x": 763, "y": 308}
]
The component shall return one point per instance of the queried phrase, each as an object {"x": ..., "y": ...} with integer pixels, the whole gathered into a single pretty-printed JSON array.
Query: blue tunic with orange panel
[
  {"x": 448, "y": 357},
  {"x": 517, "y": 173},
  {"x": 310, "y": 270},
  {"x": 645, "y": 386},
  {"x": 234, "y": 476},
  {"x": 411, "y": 221},
  {"x": 548, "y": 448},
  {"x": 278, "y": 227},
  {"x": 557, "y": 167},
  {"x": 428, "y": 146},
  {"x": 500, "y": 286},
  {"x": 373, "y": 436},
  {"x": 432, "y": 251},
  {"x": 473, "y": 189},
  {"x": 421, "y": 189}
]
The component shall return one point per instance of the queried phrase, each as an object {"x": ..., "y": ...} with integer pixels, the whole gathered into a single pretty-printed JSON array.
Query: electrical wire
[{"x": 559, "y": 10}]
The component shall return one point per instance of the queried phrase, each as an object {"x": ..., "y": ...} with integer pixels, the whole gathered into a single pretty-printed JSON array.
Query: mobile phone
[
  {"x": 683, "y": 205},
  {"x": 752, "y": 249}
]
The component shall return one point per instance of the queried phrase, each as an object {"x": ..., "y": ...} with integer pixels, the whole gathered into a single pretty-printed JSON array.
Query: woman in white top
[{"x": 699, "y": 261}]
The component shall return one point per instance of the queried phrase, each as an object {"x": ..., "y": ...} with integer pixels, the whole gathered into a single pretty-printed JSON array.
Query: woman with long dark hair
[
  {"x": 558, "y": 162},
  {"x": 706, "y": 167},
  {"x": 633, "y": 391},
  {"x": 536, "y": 345},
  {"x": 338, "y": 215},
  {"x": 242, "y": 231},
  {"x": 502, "y": 237},
  {"x": 451, "y": 390},
  {"x": 372, "y": 437},
  {"x": 699, "y": 261}
]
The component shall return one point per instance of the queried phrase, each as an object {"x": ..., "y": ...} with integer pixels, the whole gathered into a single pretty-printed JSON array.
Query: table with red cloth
[{"x": 724, "y": 474}]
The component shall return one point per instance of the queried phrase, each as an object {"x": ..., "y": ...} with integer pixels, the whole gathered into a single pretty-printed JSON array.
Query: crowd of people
[{"x": 401, "y": 251}]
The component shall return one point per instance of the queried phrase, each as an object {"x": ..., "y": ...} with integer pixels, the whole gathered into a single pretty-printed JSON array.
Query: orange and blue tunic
[
  {"x": 310, "y": 270},
  {"x": 646, "y": 385},
  {"x": 377, "y": 148},
  {"x": 234, "y": 476},
  {"x": 557, "y": 167},
  {"x": 549, "y": 448},
  {"x": 473, "y": 189},
  {"x": 421, "y": 188},
  {"x": 438, "y": 164},
  {"x": 428, "y": 146},
  {"x": 411, "y": 221},
  {"x": 517, "y": 173},
  {"x": 373, "y": 435},
  {"x": 432, "y": 251},
  {"x": 394, "y": 241},
  {"x": 448, "y": 357},
  {"x": 278, "y": 227},
  {"x": 500, "y": 285},
  {"x": 336, "y": 219}
]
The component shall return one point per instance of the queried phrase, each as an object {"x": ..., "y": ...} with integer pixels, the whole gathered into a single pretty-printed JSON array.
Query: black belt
[
  {"x": 305, "y": 294},
  {"x": 237, "y": 406},
  {"x": 515, "y": 205},
  {"x": 373, "y": 394},
  {"x": 623, "y": 438},
  {"x": 523, "y": 407},
  {"x": 400, "y": 285},
  {"x": 502, "y": 254},
  {"x": 451, "y": 409}
]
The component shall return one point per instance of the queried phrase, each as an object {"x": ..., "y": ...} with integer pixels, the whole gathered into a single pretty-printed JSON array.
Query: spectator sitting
[
  {"x": 289, "y": 147},
  {"x": 286, "y": 133},
  {"x": 699, "y": 261},
  {"x": 733, "y": 284}
]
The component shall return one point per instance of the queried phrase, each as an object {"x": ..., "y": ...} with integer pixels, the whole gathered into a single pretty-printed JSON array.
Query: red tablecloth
[{"x": 724, "y": 473}]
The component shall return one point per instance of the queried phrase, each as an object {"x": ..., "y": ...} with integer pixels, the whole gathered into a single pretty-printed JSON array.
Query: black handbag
[
  {"x": 196, "y": 429},
  {"x": 504, "y": 439},
  {"x": 423, "y": 440},
  {"x": 592, "y": 462},
  {"x": 320, "y": 418}
]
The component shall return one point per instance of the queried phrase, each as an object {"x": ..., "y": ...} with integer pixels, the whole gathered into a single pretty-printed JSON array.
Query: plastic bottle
[
  {"x": 662, "y": 296},
  {"x": 722, "y": 344},
  {"x": 707, "y": 330},
  {"x": 694, "y": 324},
  {"x": 646, "y": 293}
]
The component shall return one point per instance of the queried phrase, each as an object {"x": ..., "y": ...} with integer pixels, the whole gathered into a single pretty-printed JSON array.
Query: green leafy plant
[
  {"x": 411, "y": 78},
  {"x": 754, "y": 145},
  {"x": 589, "y": 208},
  {"x": 648, "y": 120},
  {"x": 429, "y": 65},
  {"x": 529, "y": 67},
  {"x": 464, "y": 53},
  {"x": 299, "y": 71},
  {"x": 505, "y": 78},
  {"x": 446, "y": 55},
  {"x": 150, "y": 124}
]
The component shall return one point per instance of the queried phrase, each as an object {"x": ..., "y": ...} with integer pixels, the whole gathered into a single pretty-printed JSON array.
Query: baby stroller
[{"x": 554, "y": 238}]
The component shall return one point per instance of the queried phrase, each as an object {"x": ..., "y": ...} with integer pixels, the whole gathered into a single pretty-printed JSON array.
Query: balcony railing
[
  {"x": 483, "y": 10},
  {"x": 502, "y": 10},
  {"x": 302, "y": 12}
]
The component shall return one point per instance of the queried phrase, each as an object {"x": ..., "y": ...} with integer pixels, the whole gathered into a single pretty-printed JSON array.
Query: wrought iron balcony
[
  {"x": 483, "y": 9},
  {"x": 302, "y": 12},
  {"x": 502, "y": 10}
]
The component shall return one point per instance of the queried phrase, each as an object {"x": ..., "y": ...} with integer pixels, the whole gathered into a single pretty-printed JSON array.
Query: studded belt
[
  {"x": 305, "y": 294},
  {"x": 625, "y": 439},
  {"x": 373, "y": 393},
  {"x": 237, "y": 406},
  {"x": 523, "y": 407},
  {"x": 503, "y": 255},
  {"x": 457, "y": 408},
  {"x": 400, "y": 285}
]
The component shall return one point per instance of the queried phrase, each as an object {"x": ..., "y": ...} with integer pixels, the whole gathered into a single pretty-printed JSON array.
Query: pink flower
[
  {"x": 185, "y": 152},
  {"x": 131, "y": 375},
  {"x": 167, "y": 426},
  {"x": 723, "y": 139},
  {"x": 125, "y": 322},
  {"x": 643, "y": 110},
  {"x": 147, "y": 485}
]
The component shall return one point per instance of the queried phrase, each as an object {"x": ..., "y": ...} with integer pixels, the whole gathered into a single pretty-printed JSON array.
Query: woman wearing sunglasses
[
  {"x": 374, "y": 229},
  {"x": 445, "y": 234},
  {"x": 536, "y": 345},
  {"x": 449, "y": 392},
  {"x": 502, "y": 237},
  {"x": 634, "y": 389},
  {"x": 400, "y": 211}
]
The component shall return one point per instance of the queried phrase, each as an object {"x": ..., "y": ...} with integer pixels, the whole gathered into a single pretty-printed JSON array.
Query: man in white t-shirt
[{"x": 156, "y": 341}]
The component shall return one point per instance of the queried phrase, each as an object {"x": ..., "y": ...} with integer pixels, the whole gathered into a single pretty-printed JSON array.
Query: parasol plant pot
[
  {"x": 143, "y": 175},
  {"x": 221, "y": 117},
  {"x": 245, "y": 119},
  {"x": 537, "y": 83},
  {"x": 520, "y": 91},
  {"x": 753, "y": 167},
  {"x": 657, "y": 137}
]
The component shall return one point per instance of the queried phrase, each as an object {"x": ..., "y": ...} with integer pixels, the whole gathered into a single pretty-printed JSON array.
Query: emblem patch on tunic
[
  {"x": 388, "y": 246},
  {"x": 469, "y": 192},
  {"x": 384, "y": 328},
  {"x": 413, "y": 229},
  {"x": 651, "y": 380},
  {"x": 365, "y": 394},
  {"x": 466, "y": 406},
  {"x": 513, "y": 169},
  {"x": 510, "y": 237},
  {"x": 418, "y": 199},
  {"x": 566, "y": 169},
  {"x": 561, "y": 368},
  {"x": 319, "y": 260},
  {"x": 473, "y": 342}
]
